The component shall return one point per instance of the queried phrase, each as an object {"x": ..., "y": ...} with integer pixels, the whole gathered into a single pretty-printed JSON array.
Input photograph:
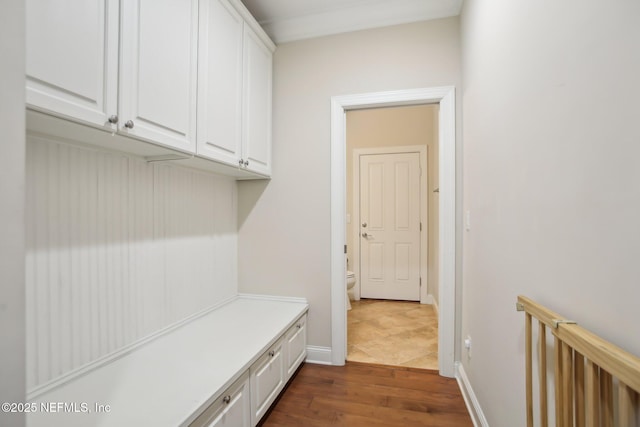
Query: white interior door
[{"x": 390, "y": 226}]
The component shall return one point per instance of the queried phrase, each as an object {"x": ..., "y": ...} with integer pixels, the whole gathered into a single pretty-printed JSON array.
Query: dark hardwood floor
[{"x": 361, "y": 394}]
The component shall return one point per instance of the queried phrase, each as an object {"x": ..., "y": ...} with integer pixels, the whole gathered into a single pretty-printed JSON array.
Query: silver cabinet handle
[
  {"x": 113, "y": 119},
  {"x": 364, "y": 224},
  {"x": 129, "y": 124},
  {"x": 226, "y": 399},
  {"x": 365, "y": 235},
  {"x": 298, "y": 326},
  {"x": 240, "y": 162},
  {"x": 272, "y": 353},
  {"x": 246, "y": 162}
]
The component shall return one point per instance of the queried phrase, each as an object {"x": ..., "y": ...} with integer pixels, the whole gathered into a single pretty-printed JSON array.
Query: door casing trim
[{"x": 445, "y": 96}]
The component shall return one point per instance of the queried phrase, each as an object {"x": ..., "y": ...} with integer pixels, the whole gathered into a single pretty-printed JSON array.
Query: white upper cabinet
[
  {"x": 158, "y": 71},
  {"x": 234, "y": 88},
  {"x": 220, "y": 82},
  {"x": 72, "y": 58},
  {"x": 186, "y": 75},
  {"x": 256, "y": 117},
  {"x": 150, "y": 93}
]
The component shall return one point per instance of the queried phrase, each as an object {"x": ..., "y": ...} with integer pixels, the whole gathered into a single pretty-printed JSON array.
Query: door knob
[
  {"x": 365, "y": 235},
  {"x": 364, "y": 224},
  {"x": 113, "y": 119},
  {"x": 129, "y": 124}
]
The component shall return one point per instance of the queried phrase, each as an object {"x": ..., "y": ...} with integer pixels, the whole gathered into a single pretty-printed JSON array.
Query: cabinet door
[
  {"x": 256, "y": 130},
  {"x": 220, "y": 82},
  {"x": 296, "y": 345},
  {"x": 72, "y": 58},
  {"x": 267, "y": 380},
  {"x": 231, "y": 409},
  {"x": 158, "y": 71}
]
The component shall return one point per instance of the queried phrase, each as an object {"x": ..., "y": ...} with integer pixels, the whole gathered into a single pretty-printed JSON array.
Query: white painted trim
[
  {"x": 318, "y": 355},
  {"x": 273, "y": 298},
  {"x": 470, "y": 399},
  {"x": 422, "y": 151},
  {"x": 447, "y": 247},
  {"x": 434, "y": 303}
]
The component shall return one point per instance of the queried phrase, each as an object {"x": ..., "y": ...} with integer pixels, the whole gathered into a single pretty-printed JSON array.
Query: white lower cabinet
[
  {"x": 231, "y": 409},
  {"x": 267, "y": 381},
  {"x": 296, "y": 345},
  {"x": 249, "y": 398}
]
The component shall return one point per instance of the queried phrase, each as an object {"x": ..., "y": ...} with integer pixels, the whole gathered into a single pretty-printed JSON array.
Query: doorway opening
[
  {"x": 445, "y": 97},
  {"x": 392, "y": 235}
]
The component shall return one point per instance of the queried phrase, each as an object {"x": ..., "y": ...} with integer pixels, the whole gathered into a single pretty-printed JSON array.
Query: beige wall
[
  {"x": 12, "y": 140},
  {"x": 284, "y": 224},
  {"x": 393, "y": 127},
  {"x": 551, "y": 178}
]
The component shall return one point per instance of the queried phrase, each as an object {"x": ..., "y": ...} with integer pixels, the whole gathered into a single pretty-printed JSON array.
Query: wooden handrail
[{"x": 618, "y": 362}]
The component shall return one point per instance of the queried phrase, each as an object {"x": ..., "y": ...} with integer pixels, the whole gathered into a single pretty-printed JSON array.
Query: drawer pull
[
  {"x": 272, "y": 353},
  {"x": 226, "y": 400},
  {"x": 298, "y": 326}
]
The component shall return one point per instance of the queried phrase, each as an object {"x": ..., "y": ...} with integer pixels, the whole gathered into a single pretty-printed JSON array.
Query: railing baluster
[
  {"x": 542, "y": 374},
  {"x": 606, "y": 397},
  {"x": 567, "y": 383},
  {"x": 626, "y": 406},
  {"x": 579, "y": 388},
  {"x": 528, "y": 368},
  {"x": 557, "y": 368},
  {"x": 593, "y": 402}
]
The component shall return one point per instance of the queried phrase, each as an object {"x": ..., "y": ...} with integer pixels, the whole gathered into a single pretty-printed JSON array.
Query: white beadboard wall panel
[{"x": 118, "y": 249}]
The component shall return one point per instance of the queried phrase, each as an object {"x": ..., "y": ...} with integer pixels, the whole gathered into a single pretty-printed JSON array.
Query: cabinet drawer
[
  {"x": 267, "y": 380},
  {"x": 231, "y": 409},
  {"x": 296, "y": 345}
]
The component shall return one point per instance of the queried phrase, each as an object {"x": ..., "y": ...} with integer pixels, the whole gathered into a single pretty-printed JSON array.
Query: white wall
[
  {"x": 284, "y": 225},
  {"x": 12, "y": 321},
  {"x": 393, "y": 127},
  {"x": 118, "y": 249},
  {"x": 551, "y": 178}
]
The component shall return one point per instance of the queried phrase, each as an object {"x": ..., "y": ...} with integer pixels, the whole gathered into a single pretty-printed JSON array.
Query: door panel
[
  {"x": 256, "y": 130},
  {"x": 390, "y": 226},
  {"x": 159, "y": 71},
  {"x": 220, "y": 81},
  {"x": 72, "y": 58}
]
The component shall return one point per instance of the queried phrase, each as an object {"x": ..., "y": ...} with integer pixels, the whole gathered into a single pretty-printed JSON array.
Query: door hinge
[
  {"x": 421, "y": 282},
  {"x": 421, "y": 226},
  {"x": 345, "y": 249}
]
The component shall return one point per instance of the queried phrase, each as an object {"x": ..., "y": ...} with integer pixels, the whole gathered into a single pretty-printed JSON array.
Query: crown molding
[{"x": 358, "y": 16}]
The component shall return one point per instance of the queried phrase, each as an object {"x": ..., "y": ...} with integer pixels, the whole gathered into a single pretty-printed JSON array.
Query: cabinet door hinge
[
  {"x": 420, "y": 226},
  {"x": 345, "y": 249}
]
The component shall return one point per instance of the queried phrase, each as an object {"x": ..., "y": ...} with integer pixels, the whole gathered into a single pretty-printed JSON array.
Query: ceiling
[{"x": 289, "y": 20}]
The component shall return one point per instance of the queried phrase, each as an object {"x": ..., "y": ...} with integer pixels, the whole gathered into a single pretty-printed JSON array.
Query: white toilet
[{"x": 351, "y": 282}]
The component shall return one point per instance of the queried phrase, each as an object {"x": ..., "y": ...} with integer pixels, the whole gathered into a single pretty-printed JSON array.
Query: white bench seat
[{"x": 172, "y": 379}]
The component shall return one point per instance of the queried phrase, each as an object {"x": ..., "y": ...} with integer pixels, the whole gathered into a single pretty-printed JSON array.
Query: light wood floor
[
  {"x": 398, "y": 333},
  {"x": 363, "y": 395}
]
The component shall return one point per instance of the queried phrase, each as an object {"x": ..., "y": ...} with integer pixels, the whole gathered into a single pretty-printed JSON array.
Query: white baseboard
[
  {"x": 470, "y": 399},
  {"x": 318, "y": 355},
  {"x": 431, "y": 301}
]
